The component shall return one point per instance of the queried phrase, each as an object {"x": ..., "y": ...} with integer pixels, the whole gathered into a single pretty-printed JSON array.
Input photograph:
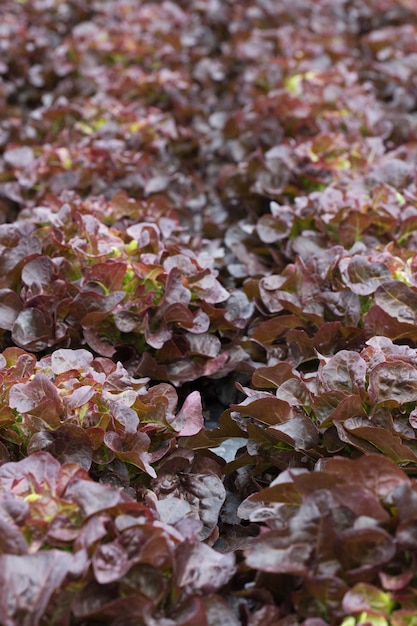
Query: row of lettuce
[
  {"x": 119, "y": 511},
  {"x": 193, "y": 193}
]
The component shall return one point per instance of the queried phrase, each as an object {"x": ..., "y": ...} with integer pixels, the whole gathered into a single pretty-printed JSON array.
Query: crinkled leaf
[
  {"x": 91, "y": 497},
  {"x": 204, "y": 492},
  {"x": 68, "y": 444},
  {"x": 204, "y": 344},
  {"x": 218, "y": 612},
  {"x": 394, "y": 380},
  {"x": 378, "y": 473},
  {"x": 299, "y": 432},
  {"x": 175, "y": 292},
  {"x": 274, "y": 553},
  {"x": 27, "y": 396},
  {"x": 29, "y": 583},
  {"x": 132, "y": 450},
  {"x": 379, "y": 322},
  {"x": 11, "y": 539},
  {"x": 363, "y": 276},
  {"x": 64, "y": 360},
  {"x": 199, "y": 568},
  {"x": 32, "y": 330},
  {"x": 22, "y": 477},
  {"x": 345, "y": 371},
  {"x": 364, "y": 549},
  {"x": 38, "y": 272},
  {"x": 110, "y": 562},
  {"x": 382, "y": 439},
  {"x": 25, "y": 249},
  {"x": 126, "y": 419},
  {"x": 238, "y": 309},
  {"x": 79, "y": 397}
]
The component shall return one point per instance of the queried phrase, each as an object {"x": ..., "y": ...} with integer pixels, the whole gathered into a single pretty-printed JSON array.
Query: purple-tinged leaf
[
  {"x": 147, "y": 235},
  {"x": 109, "y": 274},
  {"x": 133, "y": 450},
  {"x": 40, "y": 391},
  {"x": 348, "y": 406},
  {"x": 64, "y": 360},
  {"x": 218, "y": 612},
  {"x": 378, "y": 473},
  {"x": 156, "y": 337},
  {"x": 93, "y": 530},
  {"x": 19, "y": 156},
  {"x": 92, "y": 497},
  {"x": 267, "y": 332},
  {"x": 171, "y": 510},
  {"x": 383, "y": 440},
  {"x": 79, "y": 397},
  {"x": 348, "y": 494},
  {"x": 178, "y": 313},
  {"x": 10, "y": 258},
  {"x": 363, "y": 276},
  {"x": 327, "y": 591},
  {"x": 378, "y": 322},
  {"x": 204, "y": 344},
  {"x": 397, "y": 582},
  {"x": 10, "y": 307},
  {"x": 210, "y": 290},
  {"x": 68, "y": 444},
  {"x": 273, "y": 376},
  {"x": 86, "y": 303},
  {"x": 104, "y": 603},
  {"x": 271, "y": 229},
  {"x": 362, "y": 549},
  {"x": 266, "y": 410},
  {"x": 295, "y": 392},
  {"x": 204, "y": 492},
  {"x": 12, "y": 540},
  {"x": 393, "y": 380},
  {"x": 300, "y": 432},
  {"x": 126, "y": 419},
  {"x": 383, "y": 348},
  {"x": 32, "y": 330},
  {"x": 267, "y": 615},
  {"x": 398, "y": 300},
  {"x": 274, "y": 553},
  {"x": 175, "y": 291},
  {"x": 28, "y": 583},
  {"x": 279, "y": 492},
  {"x": 38, "y": 272},
  {"x": 110, "y": 562},
  {"x": 345, "y": 371},
  {"x": 239, "y": 309},
  {"x": 30, "y": 474},
  {"x": 201, "y": 322},
  {"x": 200, "y": 569},
  {"x": 353, "y": 441},
  {"x": 213, "y": 365},
  {"x": 100, "y": 344},
  {"x": 343, "y": 305},
  {"x": 189, "y": 421}
]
